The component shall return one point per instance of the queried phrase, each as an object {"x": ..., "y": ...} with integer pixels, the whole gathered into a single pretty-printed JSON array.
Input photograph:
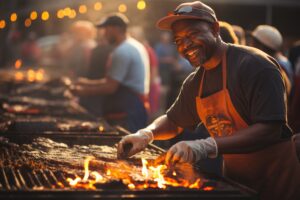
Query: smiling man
[{"x": 238, "y": 93}]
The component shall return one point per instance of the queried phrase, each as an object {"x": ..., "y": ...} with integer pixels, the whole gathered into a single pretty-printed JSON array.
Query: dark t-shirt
[{"x": 255, "y": 86}]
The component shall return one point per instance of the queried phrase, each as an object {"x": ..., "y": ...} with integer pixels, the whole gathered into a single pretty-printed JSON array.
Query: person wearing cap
[
  {"x": 227, "y": 33},
  {"x": 237, "y": 92},
  {"x": 240, "y": 34},
  {"x": 268, "y": 39},
  {"x": 126, "y": 83}
]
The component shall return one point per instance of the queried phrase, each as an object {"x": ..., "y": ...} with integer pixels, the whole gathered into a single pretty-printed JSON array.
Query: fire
[
  {"x": 86, "y": 168},
  {"x": 144, "y": 177},
  {"x": 18, "y": 63},
  {"x": 85, "y": 182}
]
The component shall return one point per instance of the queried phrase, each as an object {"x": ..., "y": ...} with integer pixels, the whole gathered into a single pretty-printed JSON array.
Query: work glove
[
  {"x": 134, "y": 143},
  {"x": 192, "y": 151}
]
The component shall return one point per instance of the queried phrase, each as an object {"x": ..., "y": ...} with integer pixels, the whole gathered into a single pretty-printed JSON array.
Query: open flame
[{"x": 148, "y": 176}]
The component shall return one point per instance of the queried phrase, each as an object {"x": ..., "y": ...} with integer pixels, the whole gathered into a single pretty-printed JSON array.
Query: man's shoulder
[
  {"x": 129, "y": 45},
  {"x": 250, "y": 59},
  {"x": 193, "y": 79}
]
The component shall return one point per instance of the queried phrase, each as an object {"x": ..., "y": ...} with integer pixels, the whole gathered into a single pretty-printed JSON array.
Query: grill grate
[
  {"x": 24, "y": 176},
  {"x": 12, "y": 179}
]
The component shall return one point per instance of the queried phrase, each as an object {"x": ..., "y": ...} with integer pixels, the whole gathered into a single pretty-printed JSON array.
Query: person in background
[
  {"x": 126, "y": 84},
  {"x": 137, "y": 32},
  {"x": 83, "y": 35},
  {"x": 99, "y": 57},
  {"x": 178, "y": 74},
  {"x": 60, "y": 53},
  {"x": 268, "y": 39},
  {"x": 167, "y": 57},
  {"x": 294, "y": 56},
  {"x": 12, "y": 45},
  {"x": 294, "y": 115},
  {"x": 240, "y": 33},
  {"x": 227, "y": 33},
  {"x": 238, "y": 93},
  {"x": 30, "y": 51}
]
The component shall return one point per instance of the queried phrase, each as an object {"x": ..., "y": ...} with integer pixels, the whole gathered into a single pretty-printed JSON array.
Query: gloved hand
[
  {"x": 134, "y": 143},
  {"x": 192, "y": 151}
]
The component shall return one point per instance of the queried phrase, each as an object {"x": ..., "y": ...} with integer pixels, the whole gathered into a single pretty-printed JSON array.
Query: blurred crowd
[{"x": 84, "y": 51}]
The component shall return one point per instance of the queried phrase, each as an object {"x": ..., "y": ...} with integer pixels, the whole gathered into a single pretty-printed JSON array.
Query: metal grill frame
[{"x": 23, "y": 191}]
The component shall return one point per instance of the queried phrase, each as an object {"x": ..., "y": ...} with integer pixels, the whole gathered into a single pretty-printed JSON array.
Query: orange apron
[{"x": 273, "y": 172}]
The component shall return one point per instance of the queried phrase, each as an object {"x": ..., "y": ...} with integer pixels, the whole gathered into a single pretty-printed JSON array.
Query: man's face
[
  {"x": 195, "y": 40},
  {"x": 110, "y": 34}
]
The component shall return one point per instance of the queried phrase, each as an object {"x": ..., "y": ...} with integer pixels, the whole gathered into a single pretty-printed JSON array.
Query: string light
[
  {"x": 13, "y": 17},
  {"x": 27, "y": 22},
  {"x": 82, "y": 9},
  {"x": 60, "y": 14},
  {"x": 45, "y": 15},
  {"x": 67, "y": 11},
  {"x": 98, "y": 6},
  {"x": 72, "y": 15},
  {"x": 2, "y": 24},
  {"x": 141, "y": 5},
  {"x": 122, "y": 8},
  {"x": 33, "y": 15}
]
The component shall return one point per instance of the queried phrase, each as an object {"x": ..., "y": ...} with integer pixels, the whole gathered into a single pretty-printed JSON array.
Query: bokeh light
[
  {"x": 13, "y": 17},
  {"x": 98, "y": 6},
  {"x": 72, "y": 15},
  {"x": 67, "y": 11},
  {"x": 45, "y": 15},
  {"x": 2, "y": 24},
  {"x": 60, "y": 14},
  {"x": 33, "y": 15},
  {"x": 82, "y": 9},
  {"x": 141, "y": 5},
  {"x": 122, "y": 8},
  {"x": 27, "y": 22}
]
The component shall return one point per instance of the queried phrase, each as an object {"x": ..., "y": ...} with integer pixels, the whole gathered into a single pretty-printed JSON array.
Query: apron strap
[
  {"x": 201, "y": 83},
  {"x": 224, "y": 71}
]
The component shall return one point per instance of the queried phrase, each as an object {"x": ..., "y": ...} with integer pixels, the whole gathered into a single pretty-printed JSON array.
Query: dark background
[{"x": 283, "y": 14}]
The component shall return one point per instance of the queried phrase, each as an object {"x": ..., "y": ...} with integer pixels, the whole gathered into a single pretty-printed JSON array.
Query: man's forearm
[
  {"x": 163, "y": 129},
  {"x": 104, "y": 86},
  {"x": 250, "y": 139}
]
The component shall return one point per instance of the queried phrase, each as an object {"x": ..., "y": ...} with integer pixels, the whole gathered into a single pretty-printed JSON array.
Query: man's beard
[{"x": 112, "y": 40}]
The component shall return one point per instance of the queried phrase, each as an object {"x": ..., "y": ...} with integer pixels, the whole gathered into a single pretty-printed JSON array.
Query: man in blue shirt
[{"x": 126, "y": 84}]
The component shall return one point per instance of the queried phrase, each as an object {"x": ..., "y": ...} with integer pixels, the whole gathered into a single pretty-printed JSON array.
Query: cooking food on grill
[
  {"x": 40, "y": 124},
  {"x": 44, "y": 155},
  {"x": 52, "y": 89}
]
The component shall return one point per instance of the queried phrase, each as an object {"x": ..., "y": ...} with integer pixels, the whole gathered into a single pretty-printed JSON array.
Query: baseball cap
[
  {"x": 116, "y": 19},
  {"x": 268, "y": 36},
  {"x": 188, "y": 10}
]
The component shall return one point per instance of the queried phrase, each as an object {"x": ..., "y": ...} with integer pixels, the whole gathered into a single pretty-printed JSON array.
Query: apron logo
[{"x": 218, "y": 125}]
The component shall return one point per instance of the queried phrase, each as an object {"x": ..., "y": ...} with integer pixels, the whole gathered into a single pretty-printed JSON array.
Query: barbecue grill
[
  {"x": 23, "y": 176},
  {"x": 51, "y": 148}
]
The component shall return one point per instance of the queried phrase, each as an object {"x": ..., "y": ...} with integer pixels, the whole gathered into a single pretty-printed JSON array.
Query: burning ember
[{"x": 147, "y": 176}]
